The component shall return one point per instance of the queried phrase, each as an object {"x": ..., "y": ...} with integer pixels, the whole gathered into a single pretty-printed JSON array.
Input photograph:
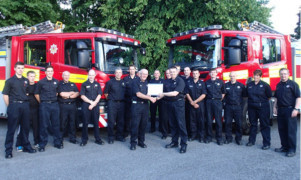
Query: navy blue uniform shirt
[
  {"x": 287, "y": 93},
  {"x": 47, "y": 89},
  {"x": 115, "y": 90},
  {"x": 258, "y": 93},
  {"x": 16, "y": 88},
  {"x": 178, "y": 85},
  {"x": 234, "y": 93},
  {"x": 139, "y": 86},
  {"x": 128, "y": 85},
  {"x": 215, "y": 89},
  {"x": 90, "y": 90},
  {"x": 195, "y": 89},
  {"x": 66, "y": 87},
  {"x": 32, "y": 99}
]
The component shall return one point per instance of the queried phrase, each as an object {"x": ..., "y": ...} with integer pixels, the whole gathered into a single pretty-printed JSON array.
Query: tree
[
  {"x": 155, "y": 21},
  {"x": 297, "y": 29},
  {"x": 28, "y": 12}
]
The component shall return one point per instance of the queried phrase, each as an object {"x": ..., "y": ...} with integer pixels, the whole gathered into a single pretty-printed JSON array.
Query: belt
[
  {"x": 282, "y": 107},
  {"x": 67, "y": 102},
  {"x": 119, "y": 101},
  {"x": 214, "y": 98},
  {"x": 139, "y": 102},
  {"x": 49, "y": 102},
  {"x": 19, "y": 102}
]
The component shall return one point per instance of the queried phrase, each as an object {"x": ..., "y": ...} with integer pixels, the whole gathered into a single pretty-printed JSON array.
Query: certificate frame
[{"x": 154, "y": 89}]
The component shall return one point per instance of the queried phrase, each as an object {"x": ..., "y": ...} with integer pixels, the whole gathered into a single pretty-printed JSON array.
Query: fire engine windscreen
[
  {"x": 202, "y": 55},
  {"x": 110, "y": 56}
]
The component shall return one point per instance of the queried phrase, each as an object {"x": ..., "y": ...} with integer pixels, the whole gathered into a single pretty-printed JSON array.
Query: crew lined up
[{"x": 186, "y": 107}]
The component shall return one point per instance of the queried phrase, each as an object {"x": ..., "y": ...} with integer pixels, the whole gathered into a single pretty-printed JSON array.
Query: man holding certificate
[
  {"x": 175, "y": 94},
  {"x": 140, "y": 110}
]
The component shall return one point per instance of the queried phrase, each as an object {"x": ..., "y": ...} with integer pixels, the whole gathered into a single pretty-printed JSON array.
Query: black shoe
[
  {"x": 29, "y": 150},
  {"x": 163, "y": 137},
  {"x": 110, "y": 141},
  {"x": 183, "y": 149},
  {"x": 220, "y": 143},
  {"x": 207, "y": 141},
  {"x": 290, "y": 154},
  {"x": 59, "y": 146},
  {"x": 8, "y": 155},
  {"x": 83, "y": 143},
  {"x": 99, "y": 142},
  {"x": 282, "y": 149},
  {"x": 249, "y": 144},
  {"x": 120, "y": 139},
  {"x": 142, "y": 145},
  {"x": 133, "y": 147},
  {"x": 238, "y": 142},
  {"x": 228, "y": 141},
  {"x": 171, "y": 145},
  {"x": 73, "y": 141},
  {"x": 41, "y": 149},
  {"x": 265, "y": 147}
]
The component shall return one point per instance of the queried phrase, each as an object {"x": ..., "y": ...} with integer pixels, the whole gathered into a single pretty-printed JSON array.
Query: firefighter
[
  {"x": 128, "y": 80},
  {"x": 165, "y": 107},
  {"x": 34, "y": 112},
  {"x": 233, "y": 108},
  {"x": 157, "y": 105},
  {"x": 49, "y": 113},
  {"x": 195, "y": 94},
  {"x": 140, "y": 110},
  {"x": 187, "y": 78},
  {"x": 259, "y": 93},
  {"x": 286, "y": 107},
  {"x": 15, "y": 97},
  {"x": 114, "y": 92},
  {"x": 90, "y": 94},
  {"x": 215, "y": 94},
  {"x": 175, "y": 95},
  {"x": 68, "y": 93}
]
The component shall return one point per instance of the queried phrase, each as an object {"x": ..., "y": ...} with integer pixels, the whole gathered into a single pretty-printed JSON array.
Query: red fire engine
[
  {"x": 257, "y": 46},
  {"x": 101, "y": 49}
]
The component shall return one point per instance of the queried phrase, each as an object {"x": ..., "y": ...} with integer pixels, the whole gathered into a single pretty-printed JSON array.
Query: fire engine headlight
[
  {"x": 119, "y": 40},
  {"x": 136, "y": 43},
  {"x": 173, "y": 41},
  {"x": 194, "y": 37}
]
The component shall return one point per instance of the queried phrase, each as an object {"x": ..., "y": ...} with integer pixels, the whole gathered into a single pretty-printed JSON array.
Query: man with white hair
[
  {"x": 140, "y": 110},
  {"x": 68, "y": 93},
  {"x": 90, "y": 94},
  {"x": 233, "y": 108}
]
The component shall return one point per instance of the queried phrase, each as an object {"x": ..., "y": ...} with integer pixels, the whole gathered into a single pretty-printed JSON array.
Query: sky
[{"x": 284, "y": 15}]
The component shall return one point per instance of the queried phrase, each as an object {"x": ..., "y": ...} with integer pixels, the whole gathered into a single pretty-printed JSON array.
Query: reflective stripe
[
  {"x": 242, "y": 74},
  {"x": 102, "y": 121},
  {"x": 78, "y": 78},
  {"x": 274, "y": 70},
  {"x": 2, "y": 53},
  {"x": 2, "y": 83},
  {"x": 267, "y": 80}
]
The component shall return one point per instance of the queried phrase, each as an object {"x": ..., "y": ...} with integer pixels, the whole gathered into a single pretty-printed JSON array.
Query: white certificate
[{"x": 154, "y": 89}]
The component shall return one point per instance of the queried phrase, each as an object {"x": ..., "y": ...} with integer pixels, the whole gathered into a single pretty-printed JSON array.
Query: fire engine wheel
[{"x": 245, "y": 120}]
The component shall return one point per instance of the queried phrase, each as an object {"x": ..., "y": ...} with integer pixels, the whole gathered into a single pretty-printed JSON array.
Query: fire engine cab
[
  {"x": 43, "y": 44},
  {"x": 255, "y": 46}
]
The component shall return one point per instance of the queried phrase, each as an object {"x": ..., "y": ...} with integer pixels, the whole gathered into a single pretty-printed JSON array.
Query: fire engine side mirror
[
  {"x": 83, "y": 54},
  {"x": 234, "y": 52}
]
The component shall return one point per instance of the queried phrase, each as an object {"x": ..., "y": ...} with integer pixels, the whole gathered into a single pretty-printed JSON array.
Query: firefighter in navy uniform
[
  {"x": 68, "y": 93},
  {"x": 235, "y": 91},
  {"x": 259, "y": 93},
  {"x": 49, "y": 111},
  {"x": 34, "y": 112},
  {"x": 287, "y": 107},
  {"x": 165, "y": 107},
  {"x": 215, "y": 94},
  {"x": 128, "y": 80},
  {"x": 157, "y": 105},
  {"x": 140, "y": 110},
  {"x": 90, "y": 94},
  {"x": 175, "y": 95},
  {"x": 15, "y": 97},
  {"x": 114, "y": 92},
  {"x": 187, "y": 78},
  {"x": 195, "y": 94}
]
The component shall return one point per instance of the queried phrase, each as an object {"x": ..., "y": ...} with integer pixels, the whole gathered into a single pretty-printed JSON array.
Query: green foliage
[
  {"x": 297, "y": 29},
  {"x": 28, "y": 12}
]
